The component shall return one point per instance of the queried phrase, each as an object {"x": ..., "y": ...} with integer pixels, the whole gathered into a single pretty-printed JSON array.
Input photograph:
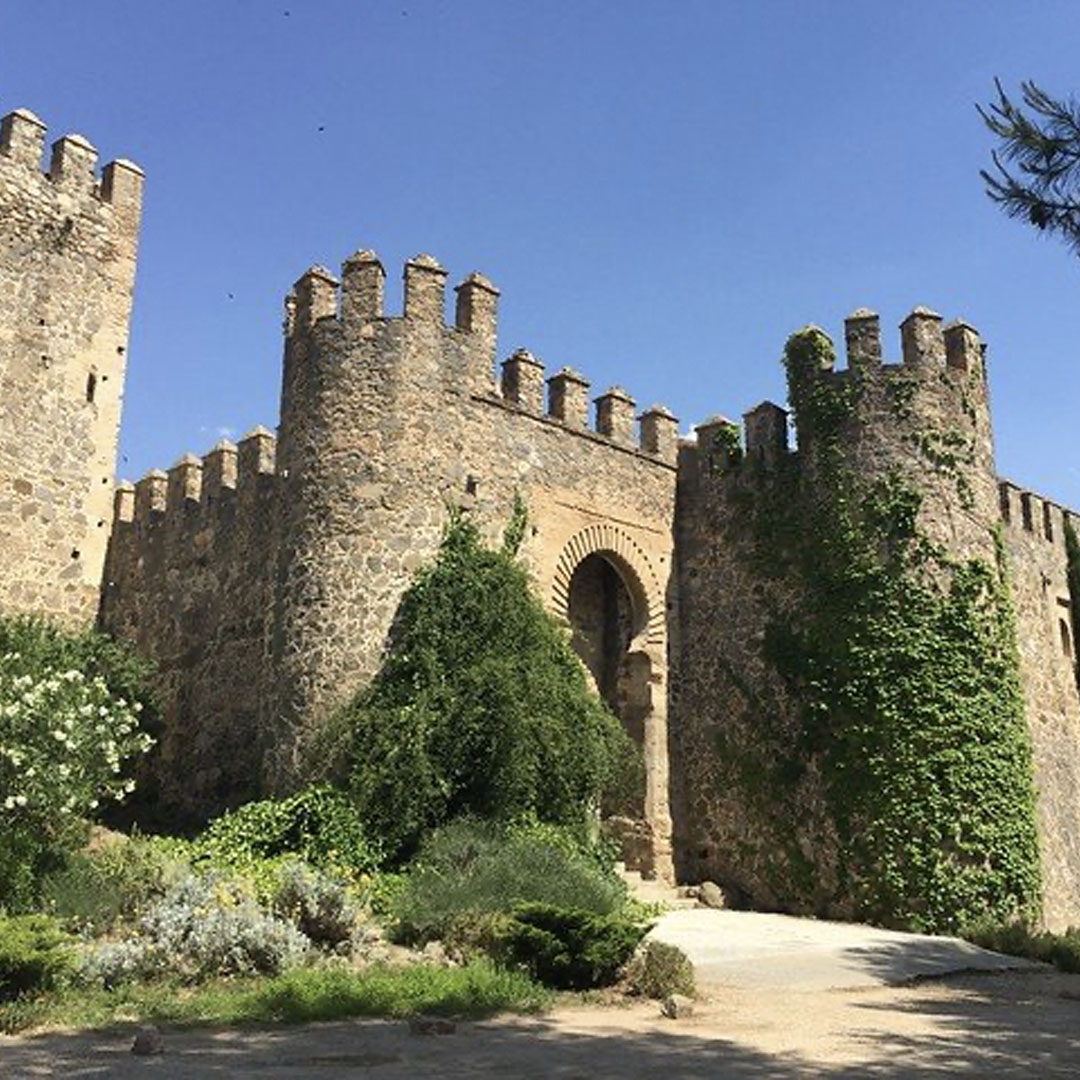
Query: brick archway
[
  {"x": 645, "y": 835},
  {"x": 603, "y": 538}
]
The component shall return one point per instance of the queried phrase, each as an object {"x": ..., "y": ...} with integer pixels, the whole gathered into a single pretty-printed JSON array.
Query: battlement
[
  {"x": 197, "y": 490},
  {"x": 1025, "y": 512},
  {"x": 72, "y": 165},
  {"x": 320, "y": 303}
]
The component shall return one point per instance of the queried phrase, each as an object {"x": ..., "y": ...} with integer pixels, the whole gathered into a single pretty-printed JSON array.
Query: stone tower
[{"x": 67, "y": 268}]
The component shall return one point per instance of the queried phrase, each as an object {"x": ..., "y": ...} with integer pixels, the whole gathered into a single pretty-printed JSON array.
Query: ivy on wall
[{"x": 904, "y": 664}]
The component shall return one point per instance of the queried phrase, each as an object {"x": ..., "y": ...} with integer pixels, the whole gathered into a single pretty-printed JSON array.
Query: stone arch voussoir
[{"x": 604, "y": 538}]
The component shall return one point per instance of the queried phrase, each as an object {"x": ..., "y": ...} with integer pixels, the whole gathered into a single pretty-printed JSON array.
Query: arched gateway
[{"x": 606, "y": 589}]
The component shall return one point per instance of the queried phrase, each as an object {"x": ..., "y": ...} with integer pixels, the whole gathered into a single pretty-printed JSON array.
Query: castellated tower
[
  {"x": 67, "y": 268},
  {"x": 265, "y": 579},
  {"x": 925, "y": 421}
]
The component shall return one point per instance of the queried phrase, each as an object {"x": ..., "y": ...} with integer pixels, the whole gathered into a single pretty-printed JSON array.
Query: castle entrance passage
[
  {"x": 603, "y": 624},
  {"x": 605, "y": 590}
]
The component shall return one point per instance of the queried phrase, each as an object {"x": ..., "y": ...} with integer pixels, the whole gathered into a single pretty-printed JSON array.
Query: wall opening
[
  {"x": 1066, "y": 638},
  {"x": 604, "y": 620},
  {"x": 91, "y": 387}
]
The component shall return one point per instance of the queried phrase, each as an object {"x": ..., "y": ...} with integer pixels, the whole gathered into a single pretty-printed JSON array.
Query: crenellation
[
  {"x": 718, "y": 445},
  {"x": 124, "y": 502},
  {"x": 862, "y": 339},
  {"x": 568, "y": 398},
  {"x": 766, "y": 427},
  {"x": 615, "y": 416},
  {"x": 1027, "y": 510},
  {"x": 184, "y": 484},
  {"x": 219, "y": 468},
  {"x": 659, "y": 434},
  {"x": 425, "y": 289},
  {"x": 921, "y": 338},
  {"x": 22, "y": 139},
  {"x": 316, "y": 297},
  {"x": 151, "y": 497},
  {"x": 963, "y": 350},
  {"x": 256, "y": 456},
  {"x": 1008, "y": 501},
  {"x": 71, "y": 167},
  {"x": 363, "y": 286},
  {"x": 523, "y": 381}
]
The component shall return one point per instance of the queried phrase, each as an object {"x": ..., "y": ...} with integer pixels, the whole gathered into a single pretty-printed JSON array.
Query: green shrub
[
  {"x": 319, "y": 825},
  {"x": 316, "y": 904},
  {"x": 481, "y": 707},
  {"x": 70, "y": 720},
  {"x": 1017, "y": 939},
  {"x": 568, "y": 949},
  {"x": 96, "y": 890},
  {"x": 471, "y": 867},
  {"x": 659, "y": 970},
  {"x": 207, "y": 925},
  {"x": 35, "y": 954}
]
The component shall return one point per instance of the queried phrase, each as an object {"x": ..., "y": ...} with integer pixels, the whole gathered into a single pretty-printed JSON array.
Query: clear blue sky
[{"x": 663, "y": 191}]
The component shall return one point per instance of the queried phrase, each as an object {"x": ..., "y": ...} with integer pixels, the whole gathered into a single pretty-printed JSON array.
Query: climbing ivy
[{"x": 904, "y": 664}]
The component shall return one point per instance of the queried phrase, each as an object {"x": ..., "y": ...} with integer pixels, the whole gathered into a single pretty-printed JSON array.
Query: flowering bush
[{"x": 70, "y": 707}]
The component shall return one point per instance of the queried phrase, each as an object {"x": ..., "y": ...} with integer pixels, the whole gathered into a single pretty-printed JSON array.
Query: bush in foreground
[
  {"x": 568, "y": 949},
  {"x": 471, "y": 868},
  {"x": 481, "y": 706},
  {"x": 71, "y": 710},
  {"x": 35, "y": 954},
  {"x": 319, "y": 826},
  {"x": 659, "y": 970}
]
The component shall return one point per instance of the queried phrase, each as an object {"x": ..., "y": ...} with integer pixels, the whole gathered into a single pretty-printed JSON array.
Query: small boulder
[
  {"x": 677, "y": 1007},
  {"x": 711, "y": 895},
  {"x": 431, "y": 1025},
  {"x": 148, "y": 1041}
]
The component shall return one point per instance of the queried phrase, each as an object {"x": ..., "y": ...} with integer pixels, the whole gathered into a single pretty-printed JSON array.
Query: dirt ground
[{"x": 999, "y": 1025}]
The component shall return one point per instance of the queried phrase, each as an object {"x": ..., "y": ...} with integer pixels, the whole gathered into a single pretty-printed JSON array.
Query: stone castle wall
[
  {"x": 266, "y": 611},
  {"x": 264, "y": 578},
  {"x": 67, "y": 268},
  {"x": 927, "y": 418},
  {"x": 1034, "y": 534}
]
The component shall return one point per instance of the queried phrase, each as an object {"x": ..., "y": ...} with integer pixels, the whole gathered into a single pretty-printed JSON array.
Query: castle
[{"x": 263, "y": 578}]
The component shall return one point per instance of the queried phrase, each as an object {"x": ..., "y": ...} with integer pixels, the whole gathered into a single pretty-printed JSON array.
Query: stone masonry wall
[
  {"x": 189, "y": 581},
  {"x": 386, "y": 424},
  {"x": 67, "y": 267},
  {"x": 1034, "y": 529},
  {"x": 929, "y": 420}
]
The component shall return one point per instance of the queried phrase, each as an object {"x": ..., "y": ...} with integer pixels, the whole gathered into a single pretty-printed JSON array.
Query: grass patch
[
  {"x": 305, "y": 994},
  {"x": 1061, "y": 950}
]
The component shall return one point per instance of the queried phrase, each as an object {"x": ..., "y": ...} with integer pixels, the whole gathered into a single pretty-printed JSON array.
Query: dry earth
[{"x": 1016, "y": 1024}]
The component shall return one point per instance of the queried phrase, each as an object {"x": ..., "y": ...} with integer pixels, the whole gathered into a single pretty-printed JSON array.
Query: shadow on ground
[{"x": 1008, "y": 1025}]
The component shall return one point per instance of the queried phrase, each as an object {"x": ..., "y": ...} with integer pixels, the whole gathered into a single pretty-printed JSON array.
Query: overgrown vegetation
[
  {"x": 481, "y": 710},
  {"x": 481, "y": 707},
  {"x": 70, "y": 720},
  {"x": 1019, "y": 939},
  {"x": 474, "y": 868},
  {"x": 904, "y": 667}
]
